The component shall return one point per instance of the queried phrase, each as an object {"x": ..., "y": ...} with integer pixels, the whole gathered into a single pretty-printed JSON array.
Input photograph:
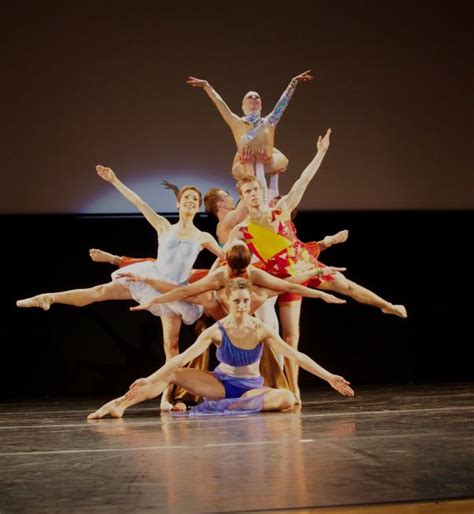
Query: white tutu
[{"x": 142, "y": 292}]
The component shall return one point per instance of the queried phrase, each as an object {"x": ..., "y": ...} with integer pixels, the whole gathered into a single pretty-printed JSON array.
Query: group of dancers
[{"x": 259, "y": 259}]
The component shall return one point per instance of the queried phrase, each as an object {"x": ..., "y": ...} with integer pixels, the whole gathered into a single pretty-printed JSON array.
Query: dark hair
[
  {"x": 210, "y": 200},
  {"x": 238, "y": 258}
]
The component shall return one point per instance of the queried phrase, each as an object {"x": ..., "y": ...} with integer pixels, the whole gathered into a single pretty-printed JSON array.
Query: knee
[
  {"x": 171, "y": 348},
  {"x": 99, "y": 291},
  {"x": 239, "y": 171},
  {"x": 280, "y": 163},
  {"x": 292, "y": 339},
  {"x": 340, "y": 282}
]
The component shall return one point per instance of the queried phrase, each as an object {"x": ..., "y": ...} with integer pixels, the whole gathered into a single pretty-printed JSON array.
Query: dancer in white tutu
[{"x": 179, "y": 246}]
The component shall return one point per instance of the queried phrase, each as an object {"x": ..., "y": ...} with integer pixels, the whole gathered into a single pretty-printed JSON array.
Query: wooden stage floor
[{"x": 392, "y": 449}]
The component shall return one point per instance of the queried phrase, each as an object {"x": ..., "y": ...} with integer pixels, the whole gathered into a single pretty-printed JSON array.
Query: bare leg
[
  {"x": 342, "y": 285},
  {"x": 340, "y": 237},
  {"x": 274, "y": 399},
  {"x": 278, "y": 164},
  {"x": 266, "y": 313},
  {"x": 290, "y": 326},
  {"x": 171, "y": 328},
  {"x": 200, "y": 383},
  {"x": 101, "y": 256},
  {"x": 78, "y": 297}
]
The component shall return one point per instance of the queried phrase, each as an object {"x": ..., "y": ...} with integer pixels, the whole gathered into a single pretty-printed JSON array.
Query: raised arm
[
  {"x": 340, "y": 384},
  {"x": 208, "y": 283},
  {"x": 263, "y": 279},
  {"x": 159, "y": 222},
  {"x": 274, "y": 117},
  {"x": 233, "y": 218},
  {"x": 293, "y": 198},
  {"x": 229, "y": 117}
]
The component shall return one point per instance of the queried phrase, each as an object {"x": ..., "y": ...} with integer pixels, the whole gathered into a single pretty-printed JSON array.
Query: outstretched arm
[
  {"x": 158, "y": 222},
  {"x": 262, "y": 278},
  {"x": 340, "y": 384},
  {"x": 293, "y": 198},
  {"x": 229, "y": 117},
  {"x": 208, "y": 283},
  {"x": 282, "y": 104}
]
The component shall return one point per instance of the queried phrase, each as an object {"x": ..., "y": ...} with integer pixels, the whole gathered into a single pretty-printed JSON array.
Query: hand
[
  {"x": 131, "y": 277},
  {"x": 329, "y": 270},
  {"x": 246, "y": 155},
  {"x": 144, "y": 306},
  {"x": 304, "y": 77},
  {"x": 323, "y": 142},
  {"x": 262, "y": 156},
  {"x": 140, "y": 382},
  {"x": 106, "y": 173},
  {"x": 169, "y": 185},
  {"x": 195, "y": 82},
  {"x": 137, "y": 387},
  {"x": 341, "y": 385}
]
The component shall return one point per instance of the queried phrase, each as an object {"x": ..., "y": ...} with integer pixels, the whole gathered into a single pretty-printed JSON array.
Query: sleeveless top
[
  {"x": 232, "y": 355},
  {"x": 176, "y": 257}
]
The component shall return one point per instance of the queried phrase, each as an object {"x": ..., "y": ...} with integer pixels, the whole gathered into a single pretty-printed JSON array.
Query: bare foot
[
  {"x": 43, "y": 301},
  {"x": 112, "y": 409},
  {"x": 297, "y": 395},
  {"x": 100, "y": 256},
  {"x": 179, "y": 407},
  {"x": 166, "y": 406},
  {"x": 340, "y": 237},
  {"x": 397, "y": 310}
]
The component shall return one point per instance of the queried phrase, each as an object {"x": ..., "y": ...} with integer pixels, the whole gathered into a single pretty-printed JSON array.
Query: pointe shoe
[{"x": 43, "y": 301}]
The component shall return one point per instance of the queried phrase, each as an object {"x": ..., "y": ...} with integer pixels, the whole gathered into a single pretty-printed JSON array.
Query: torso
[
  {"x": 177, "y": 252},
  {"x": 271, "y": 237}
]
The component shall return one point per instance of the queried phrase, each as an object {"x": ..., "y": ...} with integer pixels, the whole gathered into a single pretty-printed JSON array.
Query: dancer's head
[
  {"x": 238, "y": 291},
  {"x": 238, "y": 257},
  {"x": 216, "y": 200},
  {"x": 251, "y": 103},
  {"x": 189, "y": 199},
  {"x": 250, "y": 190}
]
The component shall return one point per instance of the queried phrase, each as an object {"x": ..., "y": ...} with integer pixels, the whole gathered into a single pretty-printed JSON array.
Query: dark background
[
  {"x": 414, "y": 258},
  {"x": 104, "y": 82}
]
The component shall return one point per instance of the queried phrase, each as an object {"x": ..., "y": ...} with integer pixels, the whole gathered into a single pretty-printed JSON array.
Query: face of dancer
[
  {"x": 251, "y": 194},
  {"x": 239, "y": 302},
  {"x": 227, "y": 201},
  {"x": 251, "y": 103},
  {"x": 189, "y": 202}
]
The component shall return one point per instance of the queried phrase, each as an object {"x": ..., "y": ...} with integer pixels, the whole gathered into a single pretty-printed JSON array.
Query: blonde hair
[{"x": 246, "y": 180}]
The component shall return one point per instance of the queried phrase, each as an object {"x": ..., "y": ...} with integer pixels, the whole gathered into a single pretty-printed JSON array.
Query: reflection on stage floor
[{"x": 388, "y": 445}]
